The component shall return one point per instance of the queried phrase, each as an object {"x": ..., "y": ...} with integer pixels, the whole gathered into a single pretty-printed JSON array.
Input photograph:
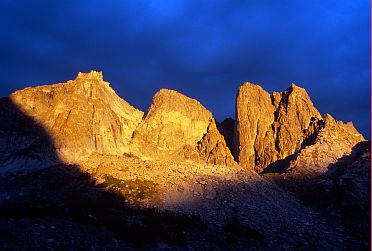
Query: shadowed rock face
[
  {"x": 273, "y": 127},
  {"x": 82, "y": 116},
  {"x": 178, "y": 126},
  {"x": 226, "y": 128}
]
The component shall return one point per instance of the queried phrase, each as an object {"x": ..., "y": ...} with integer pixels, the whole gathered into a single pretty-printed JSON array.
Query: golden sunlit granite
[
  {"x": 273, "y": 127},
  {"x": 81, "y": 116},
  {"x": 333, "y": 141},
  {"x": 253, "y": 135},
  {"x": 85, "y": 116},
  {"x": 179, "y": 126}
]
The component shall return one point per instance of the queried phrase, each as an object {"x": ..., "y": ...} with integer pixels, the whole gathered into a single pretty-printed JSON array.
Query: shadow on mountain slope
[
  {"x": 226, "y": 129},
  {"x": 341, "y": 195},
  {"x": 279, "y": 166},
  {"x": 37, "y": 186},
  {"x": 46, "y": 204}
]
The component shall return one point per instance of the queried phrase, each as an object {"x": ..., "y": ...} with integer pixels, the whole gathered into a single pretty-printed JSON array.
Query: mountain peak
[
  {"x": 91, "y": 84},
  {"x": 294, "y": 86},
  {"x": 92, "y": 75},
  {"x": 179, "y": 126},
  {"x": 295, "y": 89},
  {"x": 250, "y": 86},
  {"x": 168, "y": 93},
  {"x": 82, "y": 116}
]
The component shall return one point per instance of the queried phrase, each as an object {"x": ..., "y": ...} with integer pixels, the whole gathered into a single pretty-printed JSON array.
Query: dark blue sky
[{"x": 204, "y": 49}]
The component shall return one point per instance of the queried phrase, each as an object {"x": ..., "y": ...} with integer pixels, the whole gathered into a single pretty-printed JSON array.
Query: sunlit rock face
[
  {"x": 333, "y": 140},
  {"x": 253, "y": 135},
  {"x": 294, "y": 113},
  {"x": 81, "y": 116},
  {"x": 85, "y": 116},
  {"x": 178, "y": 126},
  {"x": 273, "y": 127}
]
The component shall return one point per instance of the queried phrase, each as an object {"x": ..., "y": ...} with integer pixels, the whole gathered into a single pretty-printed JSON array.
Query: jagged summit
[
  {"x": 90, "y": 83},
  {"x": 270, "y": 127},
  {"x": 82, "y": 116},
  {"x": 86, "y": 116},
  {"x": 274, "y": 127},
  {"x": 92, "y": 75},
  {"x": 294, "y": 86},
  {"x": 296, "y": 90}
]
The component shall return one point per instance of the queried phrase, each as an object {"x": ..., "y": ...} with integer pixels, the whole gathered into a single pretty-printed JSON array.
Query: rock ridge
[
  {"x": 85, "y": 116},
  {"x": 271, "y": 128}
]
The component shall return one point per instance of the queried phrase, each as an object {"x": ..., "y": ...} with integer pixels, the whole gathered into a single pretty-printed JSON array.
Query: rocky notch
[
  {"x": 275, "y": 127},
  {"x": 177, "y": 126},
  {"x": 80, "y": 117}
]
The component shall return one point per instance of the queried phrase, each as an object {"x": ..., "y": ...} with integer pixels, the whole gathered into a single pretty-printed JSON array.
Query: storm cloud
[{"x": 204, "y": 49}]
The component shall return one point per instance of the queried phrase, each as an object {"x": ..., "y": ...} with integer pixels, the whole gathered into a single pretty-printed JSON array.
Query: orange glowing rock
[{"x": 277, "y": 126}]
